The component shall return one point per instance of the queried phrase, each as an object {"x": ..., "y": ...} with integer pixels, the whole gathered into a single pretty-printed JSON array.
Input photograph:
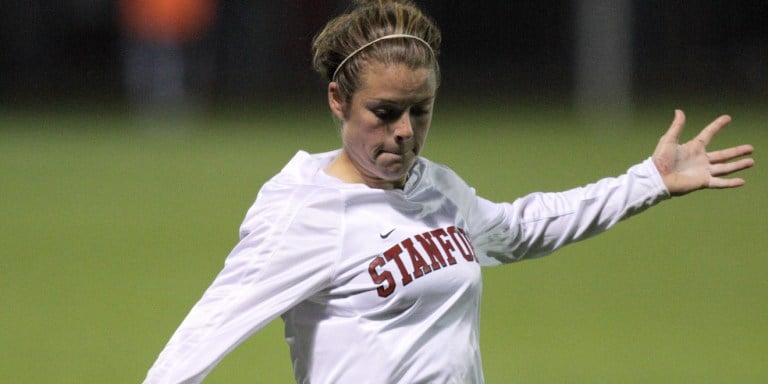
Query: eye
[
  {"x": 419, "y": 111},
  {"x": 387, "y": 114}
]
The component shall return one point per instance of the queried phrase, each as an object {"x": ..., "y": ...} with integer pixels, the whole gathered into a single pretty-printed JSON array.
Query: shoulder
[
  {"x": 297, "y": 194},
  {"x": 431, "y": 174}
]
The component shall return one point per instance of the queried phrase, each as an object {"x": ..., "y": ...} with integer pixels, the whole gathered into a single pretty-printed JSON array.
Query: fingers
[
  {"x": 721, "y": 156},
  {"x": 674, "y": 131},
  {"x": 728, "y": 168},
  {"x": 719, "y": 183},
  {"x": 706, "y": 134},
  {"x": 721, "y": 165}
]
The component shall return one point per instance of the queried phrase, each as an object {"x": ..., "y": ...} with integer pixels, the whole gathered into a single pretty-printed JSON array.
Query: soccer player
[{"x": 371, "y": 254}]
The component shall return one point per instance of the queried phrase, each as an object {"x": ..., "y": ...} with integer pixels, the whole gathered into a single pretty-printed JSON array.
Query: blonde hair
[{"x": 341, "y": 39}]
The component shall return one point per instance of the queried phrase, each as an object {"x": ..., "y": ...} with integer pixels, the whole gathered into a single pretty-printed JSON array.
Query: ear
[{"x": 335, "y": 100}]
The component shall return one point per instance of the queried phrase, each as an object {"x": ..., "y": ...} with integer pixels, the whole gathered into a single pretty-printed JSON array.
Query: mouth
[
  {"x": 400, "y": 152},
  {"x": 396, "y": 157}
]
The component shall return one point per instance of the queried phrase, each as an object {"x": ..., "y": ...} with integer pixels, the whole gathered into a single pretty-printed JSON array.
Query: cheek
[
  {"x": 358, "y": 136},
  {"x": 421, "y": 135}
]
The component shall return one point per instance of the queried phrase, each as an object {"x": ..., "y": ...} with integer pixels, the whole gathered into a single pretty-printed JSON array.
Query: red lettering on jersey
[
  {"x": 420, "y": 266},
  {"x": 461, "y": 243},
  {"x": 394, "y": 254},
  {"x": 463, "y": 235},
  {"x": 439, "y": 244},
  {"x": 429, "y": 246},
  {"x": 447, "y": 247},
  {"x": 384, "y": 278}
]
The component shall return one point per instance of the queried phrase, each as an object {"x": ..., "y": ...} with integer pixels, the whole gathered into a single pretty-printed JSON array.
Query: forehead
[{"x": 397, "y": 82}]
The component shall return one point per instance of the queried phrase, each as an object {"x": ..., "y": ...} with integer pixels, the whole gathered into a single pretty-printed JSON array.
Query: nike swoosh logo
[{"x": 385, "y": 235}]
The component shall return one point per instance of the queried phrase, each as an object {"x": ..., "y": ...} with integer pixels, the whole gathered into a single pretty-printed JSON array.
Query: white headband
[{"x": 387, "y": 37}]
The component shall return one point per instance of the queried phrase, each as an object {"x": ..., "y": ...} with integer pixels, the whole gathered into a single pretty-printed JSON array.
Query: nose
[{"x": 403, "y": 128}]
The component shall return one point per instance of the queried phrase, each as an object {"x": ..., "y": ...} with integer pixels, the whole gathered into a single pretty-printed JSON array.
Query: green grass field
[{"x": 111, "y": 230}]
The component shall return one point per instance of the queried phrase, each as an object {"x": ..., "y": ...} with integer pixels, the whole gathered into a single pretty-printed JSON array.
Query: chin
[
  {"x": 396, "y": 172},
  {"x": 394, "y": 167}
]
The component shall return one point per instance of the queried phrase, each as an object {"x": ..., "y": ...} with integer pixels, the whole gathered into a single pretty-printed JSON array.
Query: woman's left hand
[{"x": 689, "y": 167}]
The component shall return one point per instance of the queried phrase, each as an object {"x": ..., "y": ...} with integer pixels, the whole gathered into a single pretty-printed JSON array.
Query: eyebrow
[{"x": 373, "y": 102}]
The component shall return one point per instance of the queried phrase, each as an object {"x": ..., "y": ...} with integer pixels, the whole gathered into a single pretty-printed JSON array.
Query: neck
[{"x": 344, "y": 169}]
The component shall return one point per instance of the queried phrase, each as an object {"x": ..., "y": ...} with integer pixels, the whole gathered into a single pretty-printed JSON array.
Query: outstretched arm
[{"x": 689, "y": 167}]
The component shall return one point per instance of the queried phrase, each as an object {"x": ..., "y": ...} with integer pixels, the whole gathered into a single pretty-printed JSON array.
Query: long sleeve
[
  {"x": 538, "y": 224},
  {"x": 287, "y": 252}
]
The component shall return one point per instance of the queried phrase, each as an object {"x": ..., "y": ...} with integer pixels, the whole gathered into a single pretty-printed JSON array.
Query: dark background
[{"x": 260, "y": 50}]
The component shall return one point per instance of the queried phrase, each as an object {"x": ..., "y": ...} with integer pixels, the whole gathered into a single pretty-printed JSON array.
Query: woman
[{"x": 371, "y": 254}]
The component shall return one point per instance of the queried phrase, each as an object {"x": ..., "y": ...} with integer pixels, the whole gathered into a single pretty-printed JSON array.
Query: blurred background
[
  {"x": 220, "y": 52},
  {"x": 134, "y": 135}
]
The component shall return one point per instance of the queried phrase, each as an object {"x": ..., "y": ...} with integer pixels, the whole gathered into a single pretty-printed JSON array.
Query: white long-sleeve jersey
[{"x": 381, "y": 286}]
